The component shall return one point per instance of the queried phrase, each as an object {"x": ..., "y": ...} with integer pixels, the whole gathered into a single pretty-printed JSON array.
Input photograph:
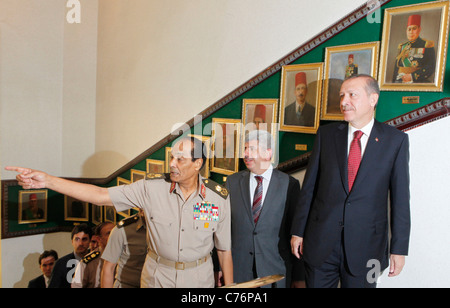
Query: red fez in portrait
[{"x": 300, "y": 78}]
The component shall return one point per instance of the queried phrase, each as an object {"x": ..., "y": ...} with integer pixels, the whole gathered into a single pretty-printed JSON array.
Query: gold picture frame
[
  {"x": 122, "y": 181},
  {"x": 32, "y": 206},
  {"x": 154, "y": 166},
  {"x": 342, "y": 62},
  {"x": 205, "y": 171},
  {"x": 414, "y": 46},
  {"x": 137, "y": 175},
  {"x": 168, "y": 154},
  {"x": 260, "y": 114},
  {"x": 75, "y": 210},
  {"x": 225, "y": 153},
  {"x": 306, "y": 79}
]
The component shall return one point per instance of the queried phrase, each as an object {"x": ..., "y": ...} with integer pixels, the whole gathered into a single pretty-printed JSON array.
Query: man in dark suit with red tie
[{"x": 342, "y": 223}]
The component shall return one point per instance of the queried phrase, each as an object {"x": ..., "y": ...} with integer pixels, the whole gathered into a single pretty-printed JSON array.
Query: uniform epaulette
[
  {"x": 217, "y": 188},
  {"x": 157, "y": 176},
  {"x": 91, "y": 256},
  {"x": 429, "y": 44},
  {"x": 128, "y": 221}
]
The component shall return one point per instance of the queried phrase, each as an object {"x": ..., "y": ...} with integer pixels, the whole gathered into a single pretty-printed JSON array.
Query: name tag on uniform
[{"x": 206, "y": 211}]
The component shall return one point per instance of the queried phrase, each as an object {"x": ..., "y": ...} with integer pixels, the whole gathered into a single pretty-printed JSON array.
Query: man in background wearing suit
[
  {"x": 46, "y": 262},
  {"x": 259, "y": 227},
  {"x": 341, "y": 225}
]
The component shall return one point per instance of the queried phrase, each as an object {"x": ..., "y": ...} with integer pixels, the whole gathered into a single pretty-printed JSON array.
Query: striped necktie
[
  {"x": 354, "y": 158},
  {"x": 257, "y": 199}
]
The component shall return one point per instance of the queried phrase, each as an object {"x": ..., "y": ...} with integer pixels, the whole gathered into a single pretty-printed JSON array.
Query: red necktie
[
  {"x": 354, "y": 158},
  {"x": 257, "y": 199}
]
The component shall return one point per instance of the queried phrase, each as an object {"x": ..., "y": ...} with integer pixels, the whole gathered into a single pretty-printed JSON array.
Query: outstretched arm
[{"x": 34, "y": 179}]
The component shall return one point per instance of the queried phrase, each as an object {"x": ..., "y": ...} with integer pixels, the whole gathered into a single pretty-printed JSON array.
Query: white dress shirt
[
  {"x": 253, "y": 183},
  {"x": 364, "y": 138}
]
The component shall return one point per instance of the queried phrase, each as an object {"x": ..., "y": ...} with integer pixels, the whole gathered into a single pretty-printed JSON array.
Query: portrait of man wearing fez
[
  {"x": 416, "y": 57},
  {"x": 352, "y": 68},
  {"x": 301, "y": 92},
  {"x": 300, "y": 112},
  {"x": 414, "y": 46},
  {"x": 32, "y": 206},
  {"x": 341, "y": 63}
]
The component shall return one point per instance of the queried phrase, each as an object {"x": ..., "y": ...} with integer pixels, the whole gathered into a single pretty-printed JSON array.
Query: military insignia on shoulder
[
  {"x": 429, "y": 44},
  {"x": 128, "y": 221},
  {"x": 157, "y": 176},
  {"x": 91, "y": 256},
  {"x": 219, "y": 189}
]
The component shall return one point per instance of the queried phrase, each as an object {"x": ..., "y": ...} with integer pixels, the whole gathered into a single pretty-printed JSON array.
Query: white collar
[
  {"x": 366, "y": 129},
  {"x": 266, "y": 174}
]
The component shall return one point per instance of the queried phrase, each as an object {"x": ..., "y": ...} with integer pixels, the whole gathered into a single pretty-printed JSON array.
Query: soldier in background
[
  {"x": 88, "y": 270},
  {"x": 126, "y": 249},
  {"x": 416, "y": 58}
]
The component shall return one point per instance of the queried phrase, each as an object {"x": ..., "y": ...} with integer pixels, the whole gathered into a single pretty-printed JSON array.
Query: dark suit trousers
[{"x": 335, "y": 270}]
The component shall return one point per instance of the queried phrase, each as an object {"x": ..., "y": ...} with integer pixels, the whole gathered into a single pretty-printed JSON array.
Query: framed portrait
[
  {"x": 122, "y": 181},
  {"x": 110, "y": 214},
  {"x": 205, "y": 171},
  {"x": 341, "y": 63},
  {"x": 414, "y": 46},
  {"x": 75, "y": 210},
  {"x": 301, "y": 92},
  {"x": 32, "y": 206},
  {"x": 259, "y": 114},
  {"x": 154, "y": 166},
  {"x": 167, "y": 161},
  {"x": 97, "y": 214},
  {"x": 137, "y": 175},
  {"x": 226, "y": 135}
]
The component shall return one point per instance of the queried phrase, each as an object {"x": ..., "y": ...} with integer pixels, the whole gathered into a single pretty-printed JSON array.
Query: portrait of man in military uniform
[
  {"x": 352, "y": 68},
  {"x": 416, "y": 58},
  {"x": 341, "y": 63},
  {"x": 413, "y": 47}
]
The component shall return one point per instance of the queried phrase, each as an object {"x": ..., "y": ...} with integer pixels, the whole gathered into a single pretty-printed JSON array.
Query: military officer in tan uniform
[
  {"x": 125, "y": 253},
  {"x": 416, "y": 58},
  {"x": 186, "y": 216}
]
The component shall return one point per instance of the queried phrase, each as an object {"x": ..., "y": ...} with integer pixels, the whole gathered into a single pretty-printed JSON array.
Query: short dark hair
[
  {"x": 48, "y": 253},
  {"x": 82, "y": 228}
]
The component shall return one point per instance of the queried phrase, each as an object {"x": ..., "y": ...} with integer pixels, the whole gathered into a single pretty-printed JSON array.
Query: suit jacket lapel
[
  {"x": 371, "y": 153},
  {"x": 245, "y": 193},
  {"x": 341, "y": 140},
  {"x": 270, "y": 194}
]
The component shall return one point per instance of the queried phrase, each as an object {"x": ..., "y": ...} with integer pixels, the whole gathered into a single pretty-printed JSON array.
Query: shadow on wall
[{"x": 60, "y": 242}]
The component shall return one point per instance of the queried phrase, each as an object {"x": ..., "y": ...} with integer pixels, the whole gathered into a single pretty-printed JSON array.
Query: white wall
[
  {"x": 162, "y": 62},
  {"x": 427, "y": 263},
  {"x": 20, "y": 260}
]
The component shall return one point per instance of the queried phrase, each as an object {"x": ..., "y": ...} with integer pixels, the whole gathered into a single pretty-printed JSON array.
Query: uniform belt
[
  {"x": 177, "y": 265},
  {"x": 407, "y": 70}
]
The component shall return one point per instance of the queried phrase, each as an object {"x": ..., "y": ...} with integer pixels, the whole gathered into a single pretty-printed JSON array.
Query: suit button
[
  {"x": 255, "y": 233},
  {"x": 251, "y": 253},
  {"x": 341, "y": 223}
]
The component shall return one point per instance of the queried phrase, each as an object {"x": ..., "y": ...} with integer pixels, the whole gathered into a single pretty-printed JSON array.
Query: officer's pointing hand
[{"x": 29, "y": 178}]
